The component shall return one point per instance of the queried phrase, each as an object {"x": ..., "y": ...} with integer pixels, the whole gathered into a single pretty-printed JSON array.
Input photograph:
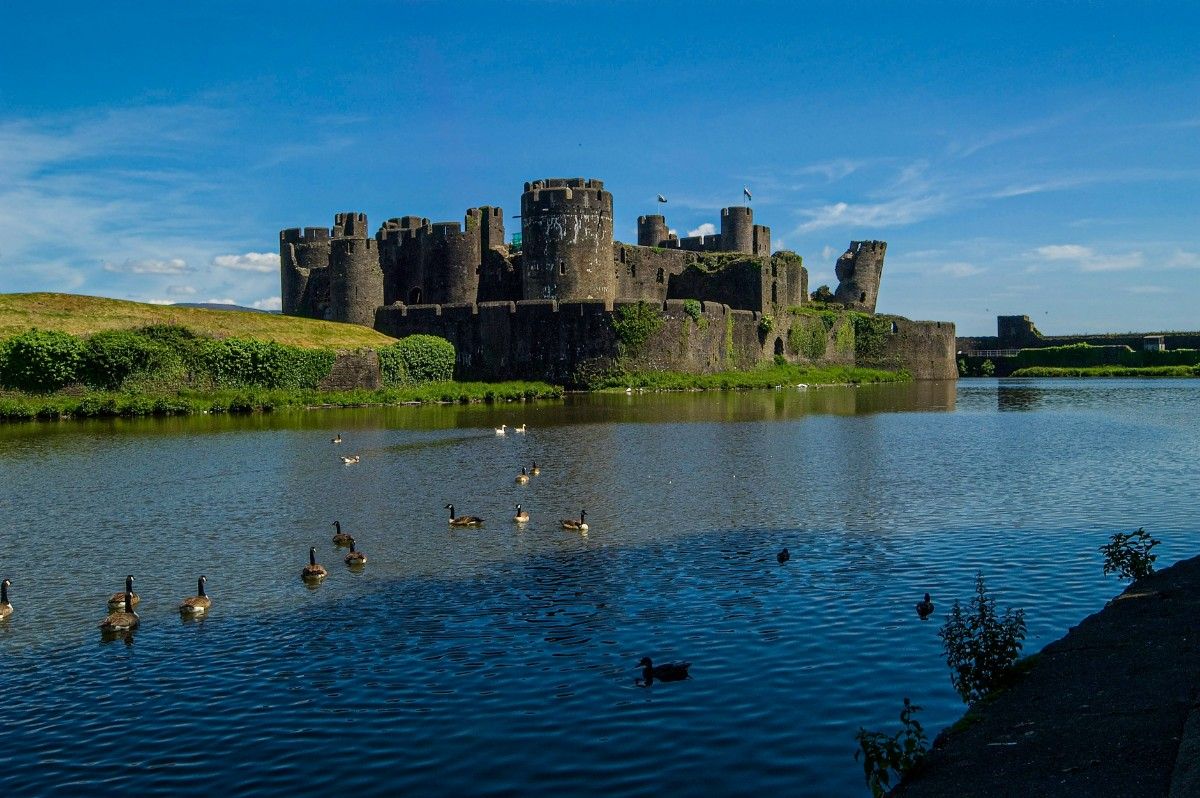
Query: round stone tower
[
  {"x": 451, "y": 258},
  {"x": 858, "y": 271},
  {"x": 301, "y": 251},
  {"x": 567, "y": 240},
  {"x": 355, "y": 277},
  {"x": 737, "y": 230},
  {"x": 652, "y": 230}
]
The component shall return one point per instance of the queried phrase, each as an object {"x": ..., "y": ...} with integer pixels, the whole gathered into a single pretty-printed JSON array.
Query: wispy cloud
[
  {"x": 263, "y": 262},
  {"x": 890, "y": 213},
  {"x": 269, "y": 303},
  {"x": 960, "y": 269},
  {"x": 149, "y": 266},
  {"x": 1180, "y": 259},
  {"x": 1088, "y": 259}
]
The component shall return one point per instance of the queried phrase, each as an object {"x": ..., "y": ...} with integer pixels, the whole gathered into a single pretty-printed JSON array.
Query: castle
[{"x": 544, "y": 307}]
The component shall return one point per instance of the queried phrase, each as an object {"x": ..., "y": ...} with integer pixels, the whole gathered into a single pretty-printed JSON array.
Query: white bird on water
[{"x": 500, "y": 429}]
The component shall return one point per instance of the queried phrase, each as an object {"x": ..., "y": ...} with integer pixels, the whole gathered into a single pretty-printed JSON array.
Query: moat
[{"x": 502, "y": 660}]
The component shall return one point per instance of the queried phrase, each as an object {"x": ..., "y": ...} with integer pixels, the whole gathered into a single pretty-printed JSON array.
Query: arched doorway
[
  {"x": 778, "y": 346},
  {"x": 414, "y": 296}
]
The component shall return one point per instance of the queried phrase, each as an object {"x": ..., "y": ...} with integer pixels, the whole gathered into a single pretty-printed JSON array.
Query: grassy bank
[
  {"x": 767, "y": 377},
  {"x": 111, "y": 404},
  {"x": 85, "y": 315},
  {"x": 1109, "y": 371}
]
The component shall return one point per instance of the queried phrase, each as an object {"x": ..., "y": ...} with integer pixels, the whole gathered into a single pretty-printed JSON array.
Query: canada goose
[
  {"x": 121, "y": 620},
  {"x": 667, "y": 672},
  {"x": 355, "y": 557},
  {"x": 197, "y": 604},
  {"x": 5, "y": 607},
  {"x": 463, "y": 520},
  {"x": 925, "y": 607},
  {"x": 116, "y": 601},
  {"x": 783, "y": 556},
  {"x": 522, "y": 478},
  {"x": 313, "y": 572},
  {"x": 535, "y": 470},
  {"x": 520, "y": 429},
  {"x": 337, "y": 439},
  {"x": 522, "y": 516},
  {"x": 500, "y": 429},
  {"x": 341, "y": 538},
  {"x": 350, "y": 460},
  {"x": 580, "y": 525}
]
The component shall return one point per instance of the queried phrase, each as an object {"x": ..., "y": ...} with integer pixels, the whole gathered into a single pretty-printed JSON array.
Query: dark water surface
[{"x": 501, "y": 661}]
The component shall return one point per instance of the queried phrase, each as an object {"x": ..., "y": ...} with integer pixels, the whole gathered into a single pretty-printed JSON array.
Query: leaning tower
[
  {"x": 567, "y": 240},
  {"x": 858, "y": 271}
]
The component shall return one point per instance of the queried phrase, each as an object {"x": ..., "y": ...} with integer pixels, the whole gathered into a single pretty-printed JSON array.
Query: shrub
[
  {"x": 883, "y": 755},
  {"x": 981, "y": 646},
  {"x": 1127, "y": 554},
  {"x": 962, "y": 367},
  {"x": 987, "y": 368},
  {"x": 765, "y": 325},
  {"x": 110, "y": 357},
  {"x": 692, "y": 308},
  {"x": 245, "y": 362},
  {"x": 417, "y": 359},
  {"x": 870, "y": 336},
  {"x": 822, "y": 294},
  {"x": 40, "y": 361},
  {"x": 634, "y": 325}
]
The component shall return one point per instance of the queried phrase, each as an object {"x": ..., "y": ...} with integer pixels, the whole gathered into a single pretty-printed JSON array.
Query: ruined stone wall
[
  {"x": 858, "y": 271},
  {"x": 302, "y": 253},
  {"x": 926, "y": 349},
  {"x": 736, "y": 282},
  {"x": 646, "y": 272},
  {"x": 567, "y": 240}
]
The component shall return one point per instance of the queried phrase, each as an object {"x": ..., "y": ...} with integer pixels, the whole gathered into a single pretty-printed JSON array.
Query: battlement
[
  {"x": 306, "y": 235},
  {"x": 564, "y": 182},
  {"x": 867, "y": 246},
  {"x": 737, "y": 211},
  {"x": 350, "y": 225},
  {"x": 443, "y": 229}
]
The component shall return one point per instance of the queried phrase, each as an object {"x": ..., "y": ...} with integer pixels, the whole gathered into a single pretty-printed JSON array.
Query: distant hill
[
  {"x": 83, "y": 315},
  {"x": 220, "y": 306}
]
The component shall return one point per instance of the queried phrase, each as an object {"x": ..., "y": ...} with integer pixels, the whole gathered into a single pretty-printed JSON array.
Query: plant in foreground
[
  {"x": 981, "y": 646},
  {"x": 1127, "y": 554},
  {"x": 883, "y": 755}
]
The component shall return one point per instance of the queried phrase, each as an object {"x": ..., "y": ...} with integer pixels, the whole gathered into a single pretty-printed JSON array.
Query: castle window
[
  {"x": 562, "y": 267},
  {"x": 633, "y": 270},
  {"x": 662, "y": 277},
  {"x": 774, "y": 270},
  {"x": 774, "y": 293},
  {"x": 778, "y": 346},
  {"x": 414, "y": 296},
  {"x": 862, "y": 297}
]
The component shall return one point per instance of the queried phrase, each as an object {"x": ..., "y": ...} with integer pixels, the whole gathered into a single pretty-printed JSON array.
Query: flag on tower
[
  {"x": 746, "y": 191},
  {"x": 661, "y": 198}
]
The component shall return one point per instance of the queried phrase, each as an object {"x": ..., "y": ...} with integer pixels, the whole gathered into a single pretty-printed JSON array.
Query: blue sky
[{"x": 1040, "y": 159}]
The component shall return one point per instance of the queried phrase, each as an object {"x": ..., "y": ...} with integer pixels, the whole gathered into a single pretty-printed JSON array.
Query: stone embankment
[{"x": 1112, "y": 710}]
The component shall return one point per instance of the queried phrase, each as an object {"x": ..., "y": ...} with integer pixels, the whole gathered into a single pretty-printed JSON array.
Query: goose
[
  {"x": 522, "y": 516},
  {"x": 580, "y": 525},
  {"x": 350, "y": 460},
  {"x": 784, "y": 555},
  {"x": 355, "y": 557},
  {"x": 336, "y": 439},
  {"x": 121, "y": 620},
  {"x": 341, "y": 538},
  {"x": 500, "y": 429},
  {"x": 117, "y": 600},
  {"x": 925, "y": 607},
  {"x": 6, "y": 609},
  {"x": 535, "y": 470},
  {"x": 522, "y": 478},
  {"x": 520, "y": 429},
  {"x": 313, "y": 572},
  {"x": 197, "y": 604},
  {"x": 667, "y": 672},
  {"x": 463, "y": 520}
]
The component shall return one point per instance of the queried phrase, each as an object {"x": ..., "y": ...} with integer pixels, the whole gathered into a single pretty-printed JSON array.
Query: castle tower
[
  {"x": 400, "y": 259},
  {"x": 737, "y": 230},
  {"x": 652, "y": 230},
  {"x": 450, "y": 259},
  {"x": 761, "y": 245},
  {"x": 858, "y": 272},
  {"x": 355, "y": 276},
  {"x": 300, "y": 253},
  {"x": 567, "y": 240},
  {"x": 491, "y": 227}
]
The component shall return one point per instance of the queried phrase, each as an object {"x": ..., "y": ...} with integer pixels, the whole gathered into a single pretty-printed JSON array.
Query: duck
[
  {"x": 6, "y": 608},
  {"x": 355, "y": 557},
  {"x": 336, "y": 439},
  {"x": 463, "y": 520},
  {"x": 313, "y": 572},
  {"x": 667, "y": 672},
  {"x": 122, "y": 620},
  {"x": 523, "y": 477},
  {"x": 197, "y": 604},
  {"x": 925, "y": 607},
  {"x": 580, "y": 525},
  {"x": 522, "y": 516},
  {"x": 350, "y": 460},
  {"x": 783, "y": 556},
  {"x": 117, "y": 600},
  {"x": 500, "y": 429},
  {"x": 341, "y": 538},
  {"x": 535, "y": 470},
  {"x": 520, "y": 429}
]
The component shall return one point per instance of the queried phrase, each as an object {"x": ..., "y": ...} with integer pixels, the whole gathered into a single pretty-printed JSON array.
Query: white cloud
[
  {"x": 1183, "y": 260},
  {"x": 181, "y": 290},
  {"x": 960, "y": 269},
  {"x": 1065, "y": 252},
  {"x": 827, "y": 252},
  {"x": 1088, "y": 260},
  {"x": 901, "y": 211},
  {"x": 269, "y": 303},
  {"x": 264, "y": 262},
  {"x": 159, "y": 301},
  {"x": 706, "y": 229},
  {"x": 148, "y": 266},
  {"x": 224, "y": 301}
]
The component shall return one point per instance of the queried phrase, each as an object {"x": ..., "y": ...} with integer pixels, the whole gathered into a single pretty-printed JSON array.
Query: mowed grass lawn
[{"x": 84, "y": 315}]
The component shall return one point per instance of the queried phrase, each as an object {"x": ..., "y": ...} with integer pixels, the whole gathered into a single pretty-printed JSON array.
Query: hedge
[{"x": 417, "y": 359}]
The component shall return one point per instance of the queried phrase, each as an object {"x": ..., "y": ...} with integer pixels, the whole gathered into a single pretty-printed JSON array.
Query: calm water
[{"x": 501, "y": 661}]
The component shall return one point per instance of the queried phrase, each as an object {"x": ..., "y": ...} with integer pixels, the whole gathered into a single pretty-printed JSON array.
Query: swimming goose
[
  {"x": 925, "y": 607},
  {"x": 341, "y": 538},
  {"x": 783, "y": 556},
  {"x": 500, "y": 429},
  {"x": 667, "y": 672},
  {"x": 5, "y": 607},
  {"x": 313, "y": 572},
  {"x": 520, "y": 429},
  {"x": 351, "y": 460},
  {"x": 117, "y": 600},
  {"x": 463, "y": 520},
  {"x": 580, "y": 525},
  {"x": 522, "y": 478},
  {"x": 197, "y": 604},
  {"x": 337, "y": 439},
  {"x": 522, "y": 516},
  {"x": 121, "y": 620},
  {"x": 355, "y": 557},
  {"x": 535, "y": 470}
]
